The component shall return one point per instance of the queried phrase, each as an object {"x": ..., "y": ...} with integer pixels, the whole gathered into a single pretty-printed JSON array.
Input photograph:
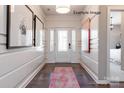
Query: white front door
[{"x": 62, "y": 45}]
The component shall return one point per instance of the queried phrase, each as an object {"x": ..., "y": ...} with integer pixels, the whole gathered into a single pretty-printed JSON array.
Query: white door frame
[
  {"x": 74, "y": 54},
  {"x": 120, "y": 8}
]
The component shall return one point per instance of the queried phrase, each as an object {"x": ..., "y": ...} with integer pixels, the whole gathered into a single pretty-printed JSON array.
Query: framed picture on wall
[
  {"x": 39, "y": 32},
  {"x": 2, "y": 25},
  {"x": 85, "y": 36},
  {"x": 2, "y": 19},
  {"x": 19, "y": 26}
]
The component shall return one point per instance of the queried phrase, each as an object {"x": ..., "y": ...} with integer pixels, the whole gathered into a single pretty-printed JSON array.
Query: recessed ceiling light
[{"x": 62, "y": 9}]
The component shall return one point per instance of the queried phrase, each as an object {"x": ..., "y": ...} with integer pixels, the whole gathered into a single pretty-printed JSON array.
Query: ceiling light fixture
[{"x": 62, "y": 9}]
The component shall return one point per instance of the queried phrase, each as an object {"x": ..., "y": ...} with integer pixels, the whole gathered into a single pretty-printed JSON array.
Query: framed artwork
[
  {"x": 19, "y": 26},
  {"x": 2, "y": 25},
  {"x": 39, "y": 32},
  {"x": 2, "y": 19},
  {"x": 85, "y": 36}
]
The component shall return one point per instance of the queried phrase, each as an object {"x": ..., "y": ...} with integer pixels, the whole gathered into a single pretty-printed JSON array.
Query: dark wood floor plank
[{"x": 42, "y": 79}]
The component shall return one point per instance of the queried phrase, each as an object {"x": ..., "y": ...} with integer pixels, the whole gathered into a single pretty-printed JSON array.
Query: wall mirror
[
  {"x": 85, "y": 36},
  {"x": 19, "y": 26},
  {"x": 39, "y": 32}
]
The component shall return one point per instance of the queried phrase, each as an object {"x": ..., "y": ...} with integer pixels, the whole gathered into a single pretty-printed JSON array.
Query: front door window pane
[{"x": 62, "y": 41}]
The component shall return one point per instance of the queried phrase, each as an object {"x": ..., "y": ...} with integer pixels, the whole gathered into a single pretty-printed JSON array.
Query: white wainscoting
[
  {"x": 91, "y": 66},
  {"x": 90, "y": 63},
  {"x": 16, "y": 67}
]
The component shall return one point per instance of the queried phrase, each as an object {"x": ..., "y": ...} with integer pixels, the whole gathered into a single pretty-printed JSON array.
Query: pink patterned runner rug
[{"x": 63, "y": 77}]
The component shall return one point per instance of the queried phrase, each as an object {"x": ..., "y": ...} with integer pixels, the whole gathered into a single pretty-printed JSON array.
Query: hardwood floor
[{"x": 42, "y": 79}]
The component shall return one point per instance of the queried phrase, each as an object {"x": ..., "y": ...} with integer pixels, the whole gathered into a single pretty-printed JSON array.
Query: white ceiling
[{"x": 51, "y": 9}]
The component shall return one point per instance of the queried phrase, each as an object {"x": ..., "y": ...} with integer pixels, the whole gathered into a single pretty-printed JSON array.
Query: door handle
[{"x": 69, "y": 45}]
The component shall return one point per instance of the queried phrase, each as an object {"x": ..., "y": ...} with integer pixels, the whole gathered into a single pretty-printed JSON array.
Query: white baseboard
[
  {"x": 93, "y": 75},
  {"x": 53, "y": 61},
  {"x": 31, "y": 76}
]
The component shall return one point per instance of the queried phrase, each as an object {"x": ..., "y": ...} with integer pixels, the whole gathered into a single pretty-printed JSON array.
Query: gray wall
[{"x": 102, "y": 65}]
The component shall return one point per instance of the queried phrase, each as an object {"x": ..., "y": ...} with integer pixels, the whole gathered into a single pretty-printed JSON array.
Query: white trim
[
  {"x": 50, "y": 61},
  {"x": 109, "y": 8},
  {"x": 89, "y": 58},
  {"x": 30, "y": 77},
  {"x": 93, "y": 75},
  {"x": 89, "y": 72}
]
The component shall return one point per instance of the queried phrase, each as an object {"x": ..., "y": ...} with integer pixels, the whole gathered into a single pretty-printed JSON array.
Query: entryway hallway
[{"x": 42, "y": 48}]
